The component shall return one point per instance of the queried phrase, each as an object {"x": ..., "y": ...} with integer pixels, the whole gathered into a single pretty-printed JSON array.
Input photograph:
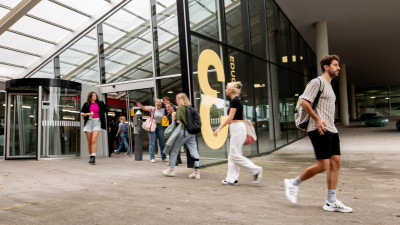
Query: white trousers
[{"x": 236, "y": 160}]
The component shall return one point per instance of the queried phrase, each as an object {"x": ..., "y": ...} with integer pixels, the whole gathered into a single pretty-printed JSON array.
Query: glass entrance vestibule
[{"x": 42, "y": 118}]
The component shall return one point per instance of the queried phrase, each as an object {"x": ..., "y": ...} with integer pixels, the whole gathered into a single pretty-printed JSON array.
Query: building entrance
[
  {"x": 22, "y": 126},
  {"x": 42, "y": 118}
]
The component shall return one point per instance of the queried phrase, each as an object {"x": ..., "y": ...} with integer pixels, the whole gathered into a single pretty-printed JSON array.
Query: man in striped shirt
[{"x": 323, "y": 135}]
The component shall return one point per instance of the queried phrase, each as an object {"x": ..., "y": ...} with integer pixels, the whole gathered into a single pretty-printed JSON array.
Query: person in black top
[
  {"x": 112, "y": 131},
  {"x": 238, "y": 136},
  {"x": 93, "y": 113}
]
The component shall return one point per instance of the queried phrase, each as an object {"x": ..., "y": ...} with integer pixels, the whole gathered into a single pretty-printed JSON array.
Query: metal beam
[{"x": 16, "y": 13}]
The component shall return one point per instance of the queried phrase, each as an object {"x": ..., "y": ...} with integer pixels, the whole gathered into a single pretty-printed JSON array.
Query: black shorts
[{"x": 325, "y": 145}]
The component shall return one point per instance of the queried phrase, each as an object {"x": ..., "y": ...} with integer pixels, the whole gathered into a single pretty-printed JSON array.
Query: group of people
[{"x": 321, "y": 131}]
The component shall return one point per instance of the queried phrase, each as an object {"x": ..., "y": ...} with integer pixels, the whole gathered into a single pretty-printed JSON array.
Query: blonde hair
[
  {"x": 123, "y": 118},
  {"x": 235, "y": 87},
  {"x": 182, "y": 99}
]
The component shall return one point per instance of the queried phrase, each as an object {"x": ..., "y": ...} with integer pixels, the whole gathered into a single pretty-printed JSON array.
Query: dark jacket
[{"x": 102, "y": 111}]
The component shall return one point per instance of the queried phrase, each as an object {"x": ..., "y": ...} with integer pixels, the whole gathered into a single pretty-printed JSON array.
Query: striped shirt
[{"x": 325, "y": 107}]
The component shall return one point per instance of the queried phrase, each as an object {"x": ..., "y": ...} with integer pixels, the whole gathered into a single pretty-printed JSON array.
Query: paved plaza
[{"x": 120, "y": 190}]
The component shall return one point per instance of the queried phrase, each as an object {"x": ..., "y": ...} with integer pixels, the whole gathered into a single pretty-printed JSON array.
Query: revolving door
[{"x": 42, "y": 119}]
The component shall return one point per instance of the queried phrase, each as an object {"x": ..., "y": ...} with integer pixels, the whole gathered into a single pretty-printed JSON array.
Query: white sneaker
[
  {"x": 194, "y": 175},
  {"x": 224, "y": 182},
  {"x": 337, "y": 206},
  {"x": 291, "y": 191},
  {"x": 169, "y": 173},
  {"x": 258, "y": 176},
  {"x": 152, "y": 160}
]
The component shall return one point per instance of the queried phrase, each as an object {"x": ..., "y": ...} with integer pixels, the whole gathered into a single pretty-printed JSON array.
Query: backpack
[
  {"x": 125, "y": 128},
  {"x": 193, "y": 125},
  {"x": 301, "y": 117}
]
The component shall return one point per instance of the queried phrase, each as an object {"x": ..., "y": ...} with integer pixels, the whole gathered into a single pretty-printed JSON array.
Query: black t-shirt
[{"x": 238, "y": 105}]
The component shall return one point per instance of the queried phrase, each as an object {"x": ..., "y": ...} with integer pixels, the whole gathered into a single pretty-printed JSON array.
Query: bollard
[{"x": 138, "y": 132}]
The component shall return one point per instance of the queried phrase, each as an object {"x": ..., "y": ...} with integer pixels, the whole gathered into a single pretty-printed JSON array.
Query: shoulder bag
[{"x": 150, "y": 124}]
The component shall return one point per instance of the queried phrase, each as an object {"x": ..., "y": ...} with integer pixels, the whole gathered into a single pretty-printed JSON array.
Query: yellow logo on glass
[{"x": 209, "y": 58}]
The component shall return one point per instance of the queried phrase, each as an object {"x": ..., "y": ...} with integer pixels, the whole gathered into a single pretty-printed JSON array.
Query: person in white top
[{"x": 323, "y": 135}]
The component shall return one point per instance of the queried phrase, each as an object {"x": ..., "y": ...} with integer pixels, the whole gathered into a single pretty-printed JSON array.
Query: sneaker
[
  {"x": 258, "y": 176},
  {"x": 152, "y": 160},
  {"x": 116, "y": 152},
  {"x": 194, "y": 175},
  {"x": 165, "y": 160},
  {"x": 169, "y": 173},
  {"x": 224, "y": 182},
  {"x": 291, "y": 191},
  {"x": 92, "y": 160},
  {"x": 337, "y": 206}
]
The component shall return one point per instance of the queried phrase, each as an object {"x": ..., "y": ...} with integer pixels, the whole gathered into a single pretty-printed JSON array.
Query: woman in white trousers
[{"x": 238, "y": 134}]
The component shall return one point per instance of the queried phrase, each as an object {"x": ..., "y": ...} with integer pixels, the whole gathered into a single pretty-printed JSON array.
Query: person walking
[
  {"x": 93, "y": 112},
  {"x": 184, "y": 138},
  {"x": 238, "y": 132},
  {"x": 323, "y": 135},
  {"x": 170, "y": 113},
  {"x": 158, "y": 115},
  {"x": 123, "y": 132},
  {"x": 112, "y": 131}
]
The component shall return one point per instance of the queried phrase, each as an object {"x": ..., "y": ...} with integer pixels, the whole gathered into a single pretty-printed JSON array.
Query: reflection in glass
[
  {"x": 127, "y": 43},
  {"x": 60, "y": 123},
  {"x": 169, "y": 88},
  {"x": 262, "y": 99},
  {"x": 79, "y": 62},
  {"x": 273, "y": 31},
  {"x": 204, "y": 18},
  {"x": 208, "y": 155},
  {"x": 286, "y": 43},
  {"x": 234, "y": 23},
  {"x": 168, "y": 40},
  {"x": 258, "y": 28}
]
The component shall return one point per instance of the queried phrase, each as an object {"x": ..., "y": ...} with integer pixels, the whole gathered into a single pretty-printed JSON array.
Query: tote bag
[
  {"x": 250, "y": 131},
  {"x": 150, "y": 124}
]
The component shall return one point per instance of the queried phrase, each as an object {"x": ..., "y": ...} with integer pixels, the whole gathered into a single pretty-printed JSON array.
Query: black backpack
[{"x": 193, "y": 125}]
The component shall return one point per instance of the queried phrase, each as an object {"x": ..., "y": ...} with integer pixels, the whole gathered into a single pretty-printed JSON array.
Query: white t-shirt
[
  {"x": 325, "y": 107},
  {"x": 158, "y": 115}
]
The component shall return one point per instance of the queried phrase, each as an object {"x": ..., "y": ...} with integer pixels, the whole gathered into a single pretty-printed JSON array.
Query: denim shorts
[
  {"x": 325, "y": 145},
  {"x": 92, "y": 125}
]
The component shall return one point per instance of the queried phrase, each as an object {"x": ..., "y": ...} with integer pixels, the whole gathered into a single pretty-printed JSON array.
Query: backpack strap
[{"x": 321, "y": 89}]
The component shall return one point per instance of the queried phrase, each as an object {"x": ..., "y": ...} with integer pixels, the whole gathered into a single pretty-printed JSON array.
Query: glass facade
[
  {"x": 383, "y": 101},
  {"x": 250, "y": 41}
]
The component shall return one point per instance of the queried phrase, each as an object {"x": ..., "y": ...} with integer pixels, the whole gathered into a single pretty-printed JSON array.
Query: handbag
[
  {"x": 250, "y": 131},
  {"x": 150, "y": 124}
]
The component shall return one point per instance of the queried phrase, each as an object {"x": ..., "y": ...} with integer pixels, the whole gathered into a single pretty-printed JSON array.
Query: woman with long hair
[
  {"x": 93, "y": 112},
  {"x": 184, "y": 138},
  {"x": 158, "y": 113},
  {"x": 123, "y": 130},
  {"x": 238, "y": 134}
]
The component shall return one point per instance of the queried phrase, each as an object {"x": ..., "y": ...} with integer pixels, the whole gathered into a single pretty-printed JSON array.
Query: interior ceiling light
[
  {"x": 284, "y": 59},
  {"x": 372, "y": 97},
  {"x": 293, "y": 58},
  {"x": 170, "y": 92}
]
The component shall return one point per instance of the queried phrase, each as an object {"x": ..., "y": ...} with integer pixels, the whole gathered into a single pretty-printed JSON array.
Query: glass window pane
[
  {"x": 46, "y": 71},
  {"x": 207, "y": 154},
  {"x": 285, "y": 41},
  {"x": 258, "y": 28},
  {"x": 169, "y": 88},
  {"x": 233, "y": 19},
  {"x": 127, "y": 43},
  {"x": 263, "y": 108},
  {"x": 273, "y": 31},
  {"x": 79, "y": 62},
  {"x": 279, "y": 105},
  {"x": 394, "y": 100},
  {"x": 204, "y": 18},
  {"x": 168, "y": 39},
  {"x": 2, "y": 123},
  {"x": 295, "y": 58},
  {"x": 240, "y": 70}
]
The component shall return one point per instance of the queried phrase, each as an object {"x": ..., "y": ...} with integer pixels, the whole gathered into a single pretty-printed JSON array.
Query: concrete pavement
[{"x": 119, "y": 190}]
